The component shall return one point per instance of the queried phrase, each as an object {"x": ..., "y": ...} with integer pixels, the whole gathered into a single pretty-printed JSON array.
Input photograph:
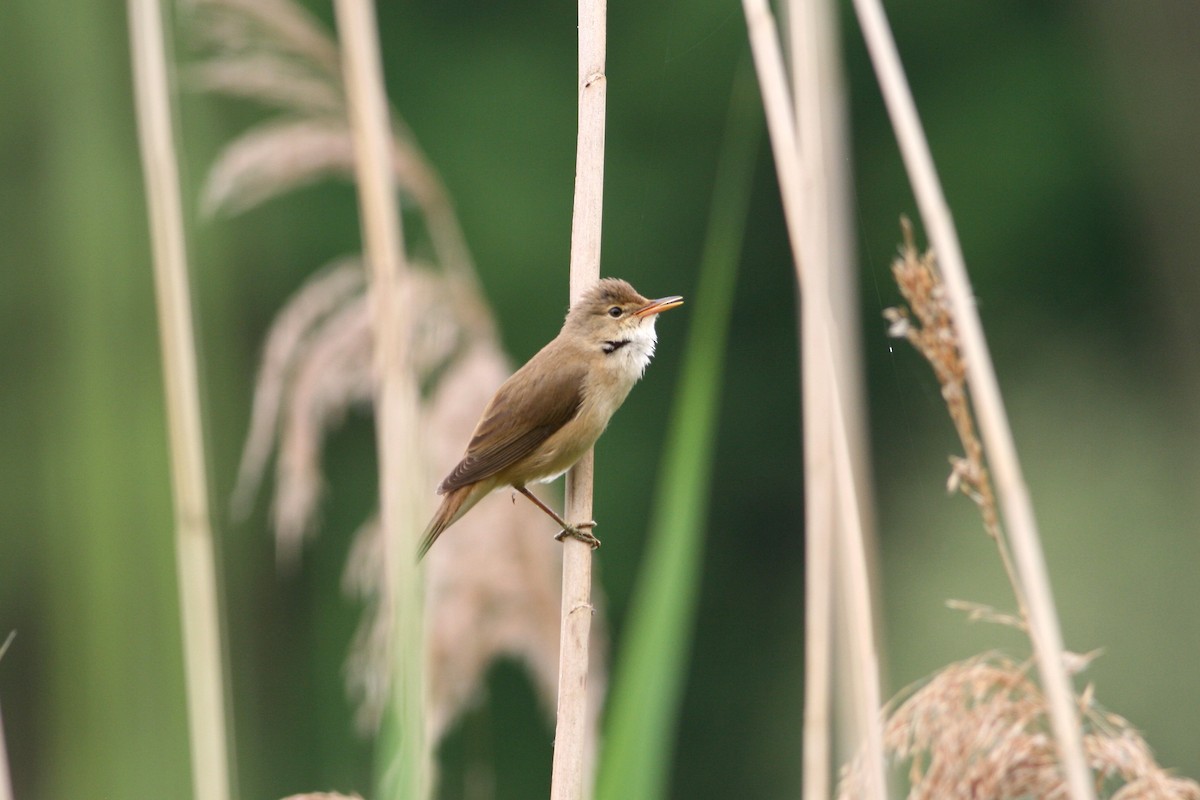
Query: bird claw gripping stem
[{"x": 576, "y": 531}]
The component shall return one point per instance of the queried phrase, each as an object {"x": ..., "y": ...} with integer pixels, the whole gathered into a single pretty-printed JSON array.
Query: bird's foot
[{"x": 576, "y": 531}]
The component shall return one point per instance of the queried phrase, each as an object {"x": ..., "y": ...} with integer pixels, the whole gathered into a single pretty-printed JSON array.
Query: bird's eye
[{"x": 615, "y": 312}]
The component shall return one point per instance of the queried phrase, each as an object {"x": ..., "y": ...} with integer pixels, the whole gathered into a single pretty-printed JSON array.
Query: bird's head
[{"x": 613, "y": 319}]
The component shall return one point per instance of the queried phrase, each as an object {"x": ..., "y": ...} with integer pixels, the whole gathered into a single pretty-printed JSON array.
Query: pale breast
[{"x": 567, "y": 445}]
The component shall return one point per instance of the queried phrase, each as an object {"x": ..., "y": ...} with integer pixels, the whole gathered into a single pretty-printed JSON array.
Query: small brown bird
[{"x": 552, "y": 410}]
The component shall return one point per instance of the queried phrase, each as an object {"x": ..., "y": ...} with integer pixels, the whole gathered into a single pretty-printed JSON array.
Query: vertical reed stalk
[
  {"x": 820, "y": 563},
  {"x": 6, "y": 790},
  {"x": 851, "y": 555},
  {"x": 405, "y": 773},
  {"x": 833, "y": 506},
  {"x": 989, "y": 406},
  {"x": 572, "y": 768},
  {"x": 193, "y": 531},
  {"x": 820, "y": 120}
]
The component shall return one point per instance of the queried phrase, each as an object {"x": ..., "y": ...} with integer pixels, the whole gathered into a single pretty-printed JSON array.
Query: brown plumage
[{"x": 552, "y": 410}]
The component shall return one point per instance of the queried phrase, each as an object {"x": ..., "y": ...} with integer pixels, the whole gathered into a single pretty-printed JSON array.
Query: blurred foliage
[
  {"x": 650, "y": 674},
  {"x": 1065, "y": 135}
]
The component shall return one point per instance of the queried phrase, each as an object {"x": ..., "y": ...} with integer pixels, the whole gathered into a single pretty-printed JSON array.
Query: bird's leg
[{"x": 567, "y": 528}]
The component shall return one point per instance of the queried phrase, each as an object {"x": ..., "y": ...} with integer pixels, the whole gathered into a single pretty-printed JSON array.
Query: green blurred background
[{"x": 1066, "y": 135}]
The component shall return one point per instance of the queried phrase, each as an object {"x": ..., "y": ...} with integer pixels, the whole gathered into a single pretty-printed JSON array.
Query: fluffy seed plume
[{"x": 979, "y": 730}]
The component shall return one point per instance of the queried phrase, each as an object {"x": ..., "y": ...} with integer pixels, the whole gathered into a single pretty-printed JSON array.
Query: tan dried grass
[
  {"x": 264, "y": 26},
  {"x": 287, "y": 343},
  {"x": 979, "y": 730},
  {"x": 927, "y": 323},
  {"x": 271, "y": 79}
]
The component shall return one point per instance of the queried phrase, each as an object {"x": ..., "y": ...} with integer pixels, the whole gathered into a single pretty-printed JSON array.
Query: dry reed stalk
[
  {"x": 396, "y": 414},
  {"x": 820, "y": 120},
  {"x": 985, "y": 391},
  {"x": 861, "y": 652},
  {"x": 819, "y": 586},
  {"x": 193, "y": 531},
  {"x": 571, "y": 777},
  {"x": 821, "y": 518},
  {"x": 6, "y": 790},
  {"x": 832, "y": 500}
]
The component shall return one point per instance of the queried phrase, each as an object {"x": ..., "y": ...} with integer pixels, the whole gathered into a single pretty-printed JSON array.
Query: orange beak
[{"x": 659, "y": 305}]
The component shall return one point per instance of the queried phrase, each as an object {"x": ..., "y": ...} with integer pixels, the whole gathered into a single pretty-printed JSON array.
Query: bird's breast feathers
[
  {"x": 603, "y": 392},
  {"x": 572, "y": 440}
]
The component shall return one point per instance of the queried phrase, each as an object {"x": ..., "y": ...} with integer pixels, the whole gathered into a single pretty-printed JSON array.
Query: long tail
[{"x": 454, "y": 505}]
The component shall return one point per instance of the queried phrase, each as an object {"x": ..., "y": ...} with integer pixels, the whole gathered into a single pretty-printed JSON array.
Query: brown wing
[{"x": 526, "y": 411}]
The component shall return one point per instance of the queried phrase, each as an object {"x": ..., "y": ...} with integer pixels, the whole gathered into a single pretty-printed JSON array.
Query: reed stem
[
  {"x": 820, "y": 120},
  {"x": 6, "y": 790},
  {"x": 405, "y": 771},
  {"x": 573, "y": 765},
  {"x": 194, "y": 551},
  {"x": 833, "y": 507}
]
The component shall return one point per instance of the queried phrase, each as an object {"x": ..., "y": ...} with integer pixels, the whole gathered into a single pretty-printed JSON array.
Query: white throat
[{"x": 631, "y": 359}]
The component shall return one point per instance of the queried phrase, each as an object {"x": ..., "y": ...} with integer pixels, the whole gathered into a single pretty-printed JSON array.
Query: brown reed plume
[
  {"x": 980, "y": 728},
  {"x": 927, "y": 324}
]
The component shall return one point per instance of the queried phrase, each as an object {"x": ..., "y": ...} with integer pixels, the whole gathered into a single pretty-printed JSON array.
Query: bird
[{"x": 551, "y": 411}]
